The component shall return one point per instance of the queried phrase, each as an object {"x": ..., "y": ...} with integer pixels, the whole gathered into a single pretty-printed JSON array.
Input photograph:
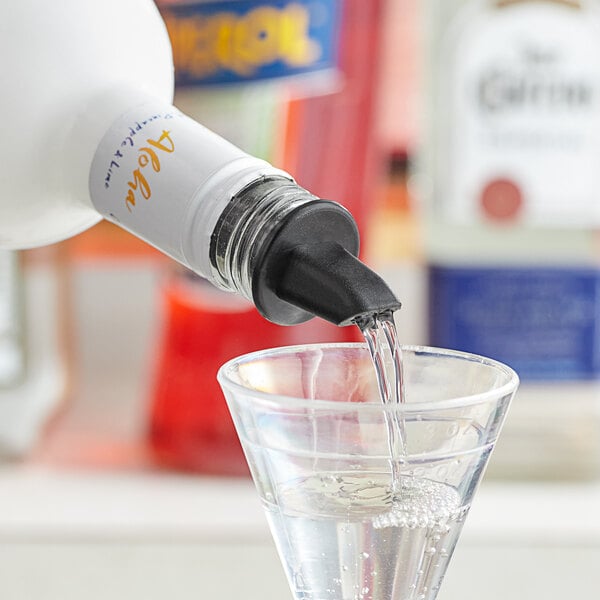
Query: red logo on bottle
[{"x": 501, "y": 200}]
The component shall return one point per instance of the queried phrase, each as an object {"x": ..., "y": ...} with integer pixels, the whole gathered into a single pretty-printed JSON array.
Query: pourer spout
[
  {"x": 328, "y": 281},
  {"x": 307, "y": 267}
]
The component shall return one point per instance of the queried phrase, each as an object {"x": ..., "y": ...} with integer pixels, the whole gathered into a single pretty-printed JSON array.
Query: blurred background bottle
[
  {"x": 510, "y": 179},
  {"x": 395, "y": 245},
  {"x": 34, "y": 346},
  {"x": 394, "y": 238},
  {"x": 12, "y": 329}
]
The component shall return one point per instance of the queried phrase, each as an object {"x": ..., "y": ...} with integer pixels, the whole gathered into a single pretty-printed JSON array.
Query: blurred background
[{"x": 464, "y": 136}]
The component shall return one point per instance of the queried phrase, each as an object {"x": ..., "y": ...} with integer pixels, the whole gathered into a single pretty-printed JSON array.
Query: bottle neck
[
  {"x": 247, "y": 226},
  {"x": 294, "y": 256}
]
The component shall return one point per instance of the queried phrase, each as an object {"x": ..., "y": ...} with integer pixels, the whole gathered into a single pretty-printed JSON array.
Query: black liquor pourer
[{"x": 309, "y": 267}]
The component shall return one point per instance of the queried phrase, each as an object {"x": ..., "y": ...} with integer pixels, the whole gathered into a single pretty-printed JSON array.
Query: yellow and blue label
[{"x": 234, "y": 41}]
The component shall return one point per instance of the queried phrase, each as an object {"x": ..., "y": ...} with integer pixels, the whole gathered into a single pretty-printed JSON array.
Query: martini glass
[{"x": 350, "y": 520}]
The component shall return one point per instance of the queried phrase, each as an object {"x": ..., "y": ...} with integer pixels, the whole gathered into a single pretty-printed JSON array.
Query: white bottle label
[
  {"x": 521, "y": 89},
  {"x": 151, "y": 170}
]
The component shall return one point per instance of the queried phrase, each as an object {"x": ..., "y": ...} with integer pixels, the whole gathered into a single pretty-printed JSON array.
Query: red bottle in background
[
  {"x": 191, "y": 427},
  {"x": 324, "y": 141}
]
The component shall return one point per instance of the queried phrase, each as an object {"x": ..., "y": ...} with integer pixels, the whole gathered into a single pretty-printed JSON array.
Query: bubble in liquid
[
  {"x": 423, "y": 521},
  {"x": 365, "y": 555},
  {"x": 420, "y": 503},
  {"x": 344, "y": 567}
]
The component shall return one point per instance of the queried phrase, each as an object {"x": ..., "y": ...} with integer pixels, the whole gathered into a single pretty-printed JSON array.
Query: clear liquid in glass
[{"x": 339, "y": 538}]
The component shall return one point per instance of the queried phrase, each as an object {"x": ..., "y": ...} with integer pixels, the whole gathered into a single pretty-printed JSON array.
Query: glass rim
[{"x": 226, "y": 382}]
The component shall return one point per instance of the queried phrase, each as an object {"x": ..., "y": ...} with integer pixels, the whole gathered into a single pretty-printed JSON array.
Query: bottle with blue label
[{"x": 510, "y": 177}]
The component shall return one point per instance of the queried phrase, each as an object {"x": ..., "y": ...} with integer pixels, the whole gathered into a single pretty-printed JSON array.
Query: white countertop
[
  {"x": 47, "y": 502},
  {"x": 65, "y": 533}
]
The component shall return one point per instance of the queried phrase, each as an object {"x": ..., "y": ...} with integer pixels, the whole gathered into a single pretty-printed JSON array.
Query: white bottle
[{"x": 90, "y": 131}]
